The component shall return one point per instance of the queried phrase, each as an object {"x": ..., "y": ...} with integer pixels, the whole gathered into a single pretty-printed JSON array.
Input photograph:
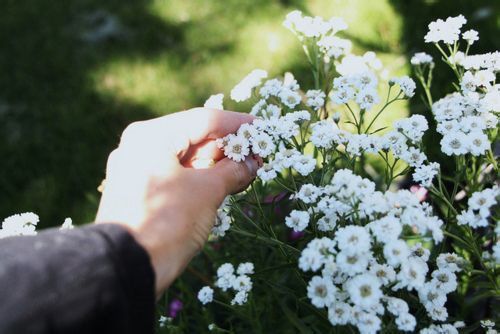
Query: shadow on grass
[{"x": 55, "y": 129}]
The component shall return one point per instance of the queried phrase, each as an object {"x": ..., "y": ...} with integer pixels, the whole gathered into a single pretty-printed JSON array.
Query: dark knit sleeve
[{"x": 95, "y": 279}]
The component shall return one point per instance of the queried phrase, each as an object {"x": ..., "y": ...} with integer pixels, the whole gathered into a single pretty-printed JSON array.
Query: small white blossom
[
  {"x": 421, "y": 58},
  {"x": 206, "y": 295},
  {"x": 215, "y": 102},
  {"x": 243, "y": 90},
  {"x": 298, "y": 220},
  {"x": 470, "y": 36}
]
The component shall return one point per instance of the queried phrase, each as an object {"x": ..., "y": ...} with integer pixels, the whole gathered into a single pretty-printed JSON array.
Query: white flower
[
  {"x": 424, "y": 174},
  {"x": 67, "y": 224},
  {"x": 262, "y": 144},
  {"x": 225, "y": 270},
  {"x": 491, "y": 102},
  {"x": 447, "y": 31},
  {"x": 247, "y": 131},
  {"x": 315, "y": 98},
  {"x": 206, "y": 295},
  {"x": 308, "y": 193},
  {"x": 321, "y": 291},
  {"x": 420, "y": 251},
  {"x": 468, "y": 83},
  {"x": 225, "y": 282},
  {"x": 242, "y": 283},
  {"x": 396, "y": 306},
  {"x": 396, "y": 252},
  {"x": 327, "y": 223},
  {"x": 285, "y": 158},
  {"x": 353, "y": 239},
  {"x": 245, "y": 268},
  {"x": 472, "y": 124},
  {"x": 413, "y": 127},
  {"x": 19, "y": 224},
  {"x": 364, "y": 290},
  {"x": 304, "y": 165},
  {"x": 406, "y": 84},
  {"x": 406, "y": 322},
  {"x": 449, "y": 261},
  {"x": 384, "y": 272},
  {"x": 298, "y": 220},
  {"x": 339, "y": 313},
  {"x": 215, "y": 102},
  {"x": 264, "y": 110},
  {"x": 454, "y": 143},
  {"x": 237, "y": 148},
  {"x": 271, "y": 88},
  {"x": 267, "y": 172},
  {"x": 289, "y": 98},
  {"x": 222, "y": 224},
  {"x": 412, "y": 273},
  {"x": 243, "y": 90},
  {"x": 386, "y": 229},
  {"x": 478, "y": 143},
  {"x": 421, "y": 58},
  {"x": 445, "y": 280},
  {"x": 413, "y": 157},
  {"x": 352, "y": 263},
  {"x": 334, "y": 47},
  {"x": 310, "y": 259},
  {"x": 368, "y": 323},
  {"x": 470, "y": 36},
  {"x": 240, "y": 298},
  {"x": 367, "y": 98}
]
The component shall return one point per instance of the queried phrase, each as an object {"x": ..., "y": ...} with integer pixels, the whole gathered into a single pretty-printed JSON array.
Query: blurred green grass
[{"x": 75, "y": 73}]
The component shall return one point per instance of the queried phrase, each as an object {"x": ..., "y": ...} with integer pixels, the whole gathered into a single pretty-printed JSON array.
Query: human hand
[{"x": 153, "y": 190}]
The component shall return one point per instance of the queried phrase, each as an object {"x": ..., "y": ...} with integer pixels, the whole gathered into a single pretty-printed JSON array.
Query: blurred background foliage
[{"x": 74, "y": 73}]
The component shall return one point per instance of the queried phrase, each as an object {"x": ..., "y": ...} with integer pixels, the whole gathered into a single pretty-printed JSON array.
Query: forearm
[{"x": 93, "y": 279}]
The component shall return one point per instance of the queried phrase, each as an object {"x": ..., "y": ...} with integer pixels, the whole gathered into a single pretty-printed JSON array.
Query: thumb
[{"x": 234, "y": 176}]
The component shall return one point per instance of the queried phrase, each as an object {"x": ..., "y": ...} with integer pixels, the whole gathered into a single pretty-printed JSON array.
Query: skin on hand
[{"x": 153, "y": 190}]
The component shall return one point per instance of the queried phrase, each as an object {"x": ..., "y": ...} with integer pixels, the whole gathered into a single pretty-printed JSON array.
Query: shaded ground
[{"x": 74, "y": 73}]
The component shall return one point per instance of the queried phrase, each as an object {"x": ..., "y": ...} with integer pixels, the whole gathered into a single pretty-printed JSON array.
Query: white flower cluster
[
  {"x": 440, "y": 329},
  {"x": 360, "y": 265},
  {"x": 360, "y": 87},
  {"x": 404, "y": 142},
  {"x": 479, "y": 204},
  {"x": 406, "y": 84},
  {"x": 353, "y": 64},
  {"x": 19, "y": 224},
  {"x": 463, "y": 123},
  {"x": 421, "y": 58},
  {"x": 322, "y": 31},
  {"x": 229, "y": 279},
  {"x": 488, "y": 326},
  {"x": 447, "y": 31},
  {"x": 243, "y": 90},
  {"x": 266, "y": 138},
  {"x": 222, "y": 220}
]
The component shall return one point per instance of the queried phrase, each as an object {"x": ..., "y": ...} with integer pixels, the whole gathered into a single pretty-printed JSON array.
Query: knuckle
[{"x": 239, "y": 176}]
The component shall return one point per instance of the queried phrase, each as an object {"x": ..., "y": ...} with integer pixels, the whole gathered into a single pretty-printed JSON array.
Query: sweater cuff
[{"x": 136, "y": 275}]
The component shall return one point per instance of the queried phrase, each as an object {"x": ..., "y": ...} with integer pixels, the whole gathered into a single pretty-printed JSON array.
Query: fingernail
[{"x": 252, "y": 165}]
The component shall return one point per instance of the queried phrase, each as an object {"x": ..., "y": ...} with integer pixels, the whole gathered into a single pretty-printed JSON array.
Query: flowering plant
[
  {"x": 345, "y": 246},
  {"x": 327, "y": 238}
]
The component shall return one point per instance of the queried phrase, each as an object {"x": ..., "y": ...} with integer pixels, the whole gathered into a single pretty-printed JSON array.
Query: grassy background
[{"x": 74, "y": 73}]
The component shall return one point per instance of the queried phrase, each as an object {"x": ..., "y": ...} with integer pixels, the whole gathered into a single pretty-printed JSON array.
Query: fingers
[
  {"x": 205, "y": 151},
  {"x": 231, "y": 177},
  {"x": 205, "y": 123},
  {"x": 184, "y": 129}
]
